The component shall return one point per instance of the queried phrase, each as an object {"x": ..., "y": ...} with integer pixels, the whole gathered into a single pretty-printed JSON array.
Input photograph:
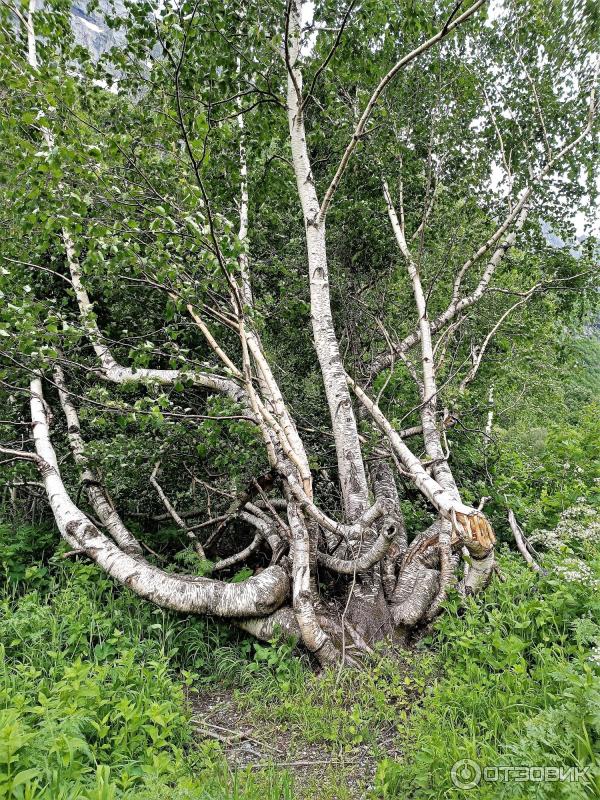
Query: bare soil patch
[{"x": 320, "y": 771}]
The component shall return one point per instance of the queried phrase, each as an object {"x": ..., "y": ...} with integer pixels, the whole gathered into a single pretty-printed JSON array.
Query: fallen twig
[
  {"x": 521, "y": 541},
  {"x": 232, "y": 733}
]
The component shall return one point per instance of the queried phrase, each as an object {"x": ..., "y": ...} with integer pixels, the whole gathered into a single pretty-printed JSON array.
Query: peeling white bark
[
  {"x": 96, "y": 492},
  {"x": 478, "y": 576},
  {"x": 313, "y": 636},
  {"x": 257, "y": 596},
  {"x": 281, "y": 622},
  {"x": 365, "y": 561},
  {"x": 246, "y": 289},
  {"x": 350, "y": 463},
  {"x": 489, "y": 423},
  {"x": 273, "y": 397}
]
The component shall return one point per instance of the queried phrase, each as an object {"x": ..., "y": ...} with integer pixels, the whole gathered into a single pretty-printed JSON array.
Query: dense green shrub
[
  {"x": 22, "y": 547},
  {"x": 520, "y": 685}
]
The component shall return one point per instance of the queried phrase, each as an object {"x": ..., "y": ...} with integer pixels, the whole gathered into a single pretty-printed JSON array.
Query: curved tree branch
[
  {"x": 257, "y": 596},
  {"x": 366, "y": 115}
]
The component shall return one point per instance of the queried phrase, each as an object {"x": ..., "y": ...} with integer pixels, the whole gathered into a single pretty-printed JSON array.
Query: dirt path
[{"x": 319, "y": 772}]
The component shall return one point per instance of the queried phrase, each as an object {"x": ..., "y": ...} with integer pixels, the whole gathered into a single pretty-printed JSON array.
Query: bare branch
[
  {"x": 19, "y": 455},
  {"x": 176, "y": 518},
  {"x": 230, "y": 561},
  {"x": 521, "y": 541},
  {"x": 329, "y": 56},
  {"x": 366, "y": 115},
  {"x": 482, "y": 348}
]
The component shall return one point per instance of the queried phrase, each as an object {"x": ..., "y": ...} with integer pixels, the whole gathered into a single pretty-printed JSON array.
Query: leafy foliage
[
  {"x": 92, "y": 695},
  {"x": 520, "y": 688}
]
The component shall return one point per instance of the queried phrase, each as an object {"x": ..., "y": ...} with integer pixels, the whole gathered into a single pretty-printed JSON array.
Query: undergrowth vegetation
[
  {"x": 342, "y": 709},
  {"x": 521, "y": 690},
  {"x": 94, "y": 687},
  {"x": 92, "y": 684},
  {"x": 95, "y": 684}
]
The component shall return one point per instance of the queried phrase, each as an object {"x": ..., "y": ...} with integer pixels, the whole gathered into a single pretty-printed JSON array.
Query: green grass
[
  {"x": 92, "y": 693},
  {"x": 93, "y": 684},
  {"x": 520, "y": 686},
  {"x": 340, "y": 710}
]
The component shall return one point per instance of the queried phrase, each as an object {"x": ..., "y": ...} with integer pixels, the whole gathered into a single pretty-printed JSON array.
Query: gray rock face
[{"x": 91, "y": 30}]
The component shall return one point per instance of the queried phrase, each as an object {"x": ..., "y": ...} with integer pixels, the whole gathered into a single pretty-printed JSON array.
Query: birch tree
[{"x": 284, "y": 246}]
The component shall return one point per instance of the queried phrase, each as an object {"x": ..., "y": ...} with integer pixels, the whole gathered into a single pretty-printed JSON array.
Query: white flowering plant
[{"x": 578, "y": 530}]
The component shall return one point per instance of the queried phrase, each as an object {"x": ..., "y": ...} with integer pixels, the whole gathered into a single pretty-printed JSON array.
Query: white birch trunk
[
  {"x": 97, "y": 494},
  {"x": 431, "y": 433},
  {"x": 350, "y": 463}
]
